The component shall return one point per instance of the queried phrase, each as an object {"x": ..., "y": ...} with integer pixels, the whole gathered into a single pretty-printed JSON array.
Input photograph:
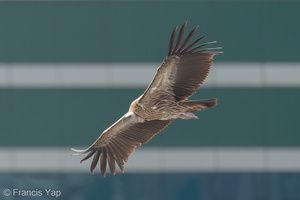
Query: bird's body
[{"x": 165, "y": 99}]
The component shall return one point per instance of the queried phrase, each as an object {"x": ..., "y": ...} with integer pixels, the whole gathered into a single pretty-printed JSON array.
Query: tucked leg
[{"x": 187, "y": 115}]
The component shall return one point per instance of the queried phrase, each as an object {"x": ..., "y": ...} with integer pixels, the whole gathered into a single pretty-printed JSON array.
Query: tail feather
[{"x": 195, "y": 105}]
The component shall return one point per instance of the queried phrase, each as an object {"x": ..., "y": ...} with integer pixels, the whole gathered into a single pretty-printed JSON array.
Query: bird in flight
[{"x": 178, "y": 77}]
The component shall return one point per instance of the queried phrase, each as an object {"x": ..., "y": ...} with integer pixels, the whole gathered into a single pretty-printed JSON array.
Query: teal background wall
[{"x": 138, "y": 31}]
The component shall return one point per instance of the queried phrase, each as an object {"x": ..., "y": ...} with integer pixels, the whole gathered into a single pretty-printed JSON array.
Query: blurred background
[{"x": 69, "y": 69}]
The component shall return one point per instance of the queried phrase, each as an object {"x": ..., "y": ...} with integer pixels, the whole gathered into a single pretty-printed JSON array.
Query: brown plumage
[{"x": 165, "y": 99}]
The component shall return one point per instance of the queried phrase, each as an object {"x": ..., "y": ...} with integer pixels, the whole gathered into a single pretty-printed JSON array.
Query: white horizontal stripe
[
  {"x": 155, "y": 160},
  {"x": 139, "y": 75}
]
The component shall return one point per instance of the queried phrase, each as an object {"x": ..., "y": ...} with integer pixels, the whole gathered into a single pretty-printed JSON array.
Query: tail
[{"x": 195, "y": 105}]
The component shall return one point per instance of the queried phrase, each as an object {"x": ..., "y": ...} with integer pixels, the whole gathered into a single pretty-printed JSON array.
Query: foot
[{"x": 187, "y": 115}]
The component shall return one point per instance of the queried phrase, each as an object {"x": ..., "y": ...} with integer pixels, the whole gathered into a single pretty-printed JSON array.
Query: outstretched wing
[
  {"x": 118, "y": 142},
  {"x": 183, "y": 70}
]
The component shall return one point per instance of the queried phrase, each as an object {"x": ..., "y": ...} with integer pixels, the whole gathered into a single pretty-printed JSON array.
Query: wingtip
[
  {"x": 77, "y": 152},
  {"x": 80, "y": 151},
  {"x": 212, "y": 42},
  {"x": 122, "y": 169},
  {"x": 92, "y": 171},
  {"x": 217, "y": 52},
  {"x": 175, "y": 28},
  {"x": 114, "y": 173},
  {"x": 172, "y": 39},
  {"x": 185, "y": 23},
  {"x": 208, "y": 50}
]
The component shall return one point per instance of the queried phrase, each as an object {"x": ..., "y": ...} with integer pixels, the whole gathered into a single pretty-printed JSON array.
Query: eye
[{"x": 129, "y": 117}]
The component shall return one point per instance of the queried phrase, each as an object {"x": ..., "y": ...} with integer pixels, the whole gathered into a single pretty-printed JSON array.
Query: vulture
[{"x": 181, "y": 73}]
